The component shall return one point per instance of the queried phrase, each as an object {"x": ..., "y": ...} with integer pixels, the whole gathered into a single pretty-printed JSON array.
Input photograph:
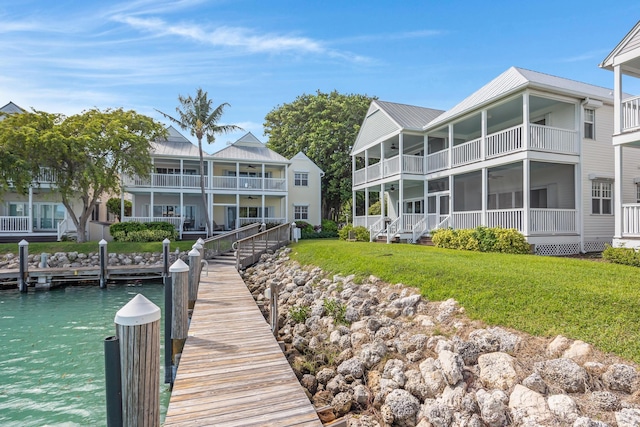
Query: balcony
[
  {"x": 13, "y": 224},
  {"x": 631, "y": 114},
  {"x": 162, "y": 180},
  {"x": 390, "y": 167},
  {"x": 175, "y": 181}
]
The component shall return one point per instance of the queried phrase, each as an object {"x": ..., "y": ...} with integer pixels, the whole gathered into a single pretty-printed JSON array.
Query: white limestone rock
[
  {"x": 527, "y": 406},
  {"x": 563, "y": 407},
  {"x": 497, "y": 370}
]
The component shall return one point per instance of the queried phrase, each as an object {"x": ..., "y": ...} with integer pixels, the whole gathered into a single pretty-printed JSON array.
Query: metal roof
[
  {"x": 10, "y": 108},
  {"x": 408, "y": 117},
  {"x": 515, "y": 79},
  {"x": 175, "y": 144},
  {"x": 249, "y": 148}
]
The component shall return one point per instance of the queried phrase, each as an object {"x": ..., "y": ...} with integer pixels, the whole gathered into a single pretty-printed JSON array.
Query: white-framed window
[
  {"x": 256, "y": 211},
  {"x": 601, "y": 197},
  {"x": 589, "y": 123},
  {"x": 301, "y": 212},
  {"x": 301, "y": 179},
  {"x": 18, "y": 209},
  {"x": 638, "y": 193}
]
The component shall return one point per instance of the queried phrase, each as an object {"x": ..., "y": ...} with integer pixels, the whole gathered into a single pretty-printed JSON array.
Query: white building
[{"x": 528, "y": 151}]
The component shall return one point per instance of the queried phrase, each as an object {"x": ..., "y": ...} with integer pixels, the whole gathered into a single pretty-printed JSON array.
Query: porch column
[
  {"x": 483, "y": 134},
  {"x": 525, "y": 121},
  {"x": 263, "y": 181},
  {"x": 382, "y": 160},
  {"x": 425, "y": 202},
  {"x": 262, "y": 201},
  {"x": 525, "y": 196},
  {"x": 181, "y": 173},
  {"x": 401, "y": 203},
  {"x": 400, "y": 153},
  {"x": 425, "y": 150},
  {"x": 353, "y": 207},
  {"x": 617, "y": 191},
  {"x": 237, "y": 220},
  {"x": 382, "y": 201},
  {"x": 617, "y": 101},
  {"x": 451, "y": 196},
  {"x": 485, "y": 195},
  {"x": 209, "y": 208},
  {"x": 450, "y": 153},
  {"x": 30, "y": 213},
  {"x": 366, "y": 165},
  {"x": 366, "y": 206},
  {"x": 181, "y": 207},
  {"x": 151, "y": 201},
  {"x": 237, "y": 176}
]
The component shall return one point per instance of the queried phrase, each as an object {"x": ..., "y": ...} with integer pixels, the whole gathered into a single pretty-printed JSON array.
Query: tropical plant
[
  {"x": 114, "y": 205},
  {"x": 198, "y": 116}
]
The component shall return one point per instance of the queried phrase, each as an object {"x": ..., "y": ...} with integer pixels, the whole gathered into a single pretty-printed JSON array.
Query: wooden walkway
[{"x": 232, "y": 371}]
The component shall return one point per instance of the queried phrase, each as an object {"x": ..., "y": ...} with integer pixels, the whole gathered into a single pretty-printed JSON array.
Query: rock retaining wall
[
  {"x": 76, "y": 259},
  {"x": 382, "y": 355}
]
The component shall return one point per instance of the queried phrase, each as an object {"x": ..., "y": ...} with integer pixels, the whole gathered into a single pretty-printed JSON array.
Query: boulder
[{"x": 497, "y": 370}]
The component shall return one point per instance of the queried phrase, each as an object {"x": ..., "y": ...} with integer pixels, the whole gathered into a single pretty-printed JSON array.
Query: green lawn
[
  {"x": 593, "y": 301},
  {"x": 113, "y": 247}
]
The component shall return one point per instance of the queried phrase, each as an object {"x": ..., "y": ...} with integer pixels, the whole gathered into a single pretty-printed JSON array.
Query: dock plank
[{"x": 232, "y": 371}]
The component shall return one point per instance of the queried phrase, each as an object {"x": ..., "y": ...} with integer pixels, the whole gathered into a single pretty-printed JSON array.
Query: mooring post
[
  {"x": 165, "y": 257},
  {"x": 179, "y": 307},
  {"x": 113, "y": 382},
  {"x": 103, "y": 263},
  {"x": 194, "y": 264},
  {"x": 168, "y": 350},
  {"x": 200, "y": 241},
  {"x": 138, "y": 331},
  {"x": 272, "y": 296},
  {"x": 23, "y": 252}
]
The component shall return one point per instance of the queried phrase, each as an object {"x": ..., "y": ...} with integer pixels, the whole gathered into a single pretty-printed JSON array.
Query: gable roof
[
  {"x": 514, "y": 80},
  {"x": 249, "y": 148},
  {"x": 10, "y": 108},
  {"x": 175, "y": 144},
  {"x": 627, "y": 49},
  {"x": 302, "y": 156},
  {"x": 387, "y": 118}
]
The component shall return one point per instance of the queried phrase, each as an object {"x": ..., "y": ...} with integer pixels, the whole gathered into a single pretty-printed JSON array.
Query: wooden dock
[
  {"x": 232, "y": 371},
  {"x": 70, "y": 274}
]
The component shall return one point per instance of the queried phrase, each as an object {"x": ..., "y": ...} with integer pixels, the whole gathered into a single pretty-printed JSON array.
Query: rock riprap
[{"x": 380, "y": 354}]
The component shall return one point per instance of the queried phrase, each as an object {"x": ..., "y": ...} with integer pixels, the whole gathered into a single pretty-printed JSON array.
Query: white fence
[
  {"x": 552, "y": 139},
  {"x": 553, "y": 221},
  {"x": 469, "y": 152},
  {"x": 11, "y": 224},
  {"x": 631, "y": 220},
  {"x": 631, "y": 113}
]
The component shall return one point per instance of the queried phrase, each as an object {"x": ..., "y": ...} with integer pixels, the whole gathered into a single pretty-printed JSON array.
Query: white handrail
[
  {"x": 392, "y": 229},
  {"x": 376, "y": 229},
  {"x": 418, "y": 230}
]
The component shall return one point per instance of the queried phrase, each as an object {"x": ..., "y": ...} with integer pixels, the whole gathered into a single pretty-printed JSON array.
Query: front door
[
  {"x": 230, "y": 219},
  {"x": 437, "y": 209}
]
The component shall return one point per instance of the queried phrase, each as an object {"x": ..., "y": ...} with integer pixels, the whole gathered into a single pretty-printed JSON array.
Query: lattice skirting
[
  {"x": 596, "y": 246},
  {"x": 558, "y": 249}
]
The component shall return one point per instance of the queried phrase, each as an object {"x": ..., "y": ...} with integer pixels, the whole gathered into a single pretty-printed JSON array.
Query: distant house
[
  {"x": 528, "y": 151},
  {"x": 245, "y": 182},
  {"x": 624, "y": 61},
  {"x": 40, "y": 215}
]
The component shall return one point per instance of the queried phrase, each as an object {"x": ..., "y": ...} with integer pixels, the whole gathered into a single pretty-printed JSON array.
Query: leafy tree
[
  {"x": 198, "y": 116},
  {"x": 324, "y": 126},
  {"x": 114, "y": 206},
  {"x": 86, "y": 154}
]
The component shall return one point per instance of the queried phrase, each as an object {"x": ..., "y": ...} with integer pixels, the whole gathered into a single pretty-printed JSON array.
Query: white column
[
  {"x": 483, "y": 134},
  {"x": 353, "y": 207},
  {"x": 382, "y": 160},
  {"x": 30, "y": 212},
  {"x": 383, "y": 197},
  {"x": 400, "y": 201},
  {"x": 237, "y": 219},
  {"x": 617, "y": 191},
  {"x": 366, "y": 205},
  {"x": 181, "y": 209},
  {"x": 366, "y": 166},
  {"x": 400, "y": 154},
  {"x": 263, "y": 181},
  {"x": 617, "y": 100},
  {"x": 262, "y": 201},
  {"x": 181, "y": 173},
  {"x": 525, "y": 196},
  {"x": 151, "y": 201},
  {"x": 425, "y": 149},
  {"x": 525, "y": 120},
  {"x": 451, "y": 195},
  {"x": 450, "y": 154},
  {"x": 485, "y": 195},
  {"x": 353, "y": 171}
]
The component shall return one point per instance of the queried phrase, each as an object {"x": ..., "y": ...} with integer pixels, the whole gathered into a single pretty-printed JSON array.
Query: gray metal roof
[
  {"x": 10, "y": 108},
  {"x": 409, "y": 117},
  {"x": 515, "y": 79},
  {"x": 249, "y": 148},
  {"x": 175, "y": 144}
]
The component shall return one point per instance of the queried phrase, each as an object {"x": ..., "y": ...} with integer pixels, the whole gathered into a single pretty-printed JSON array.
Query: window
[
  {"x": 589, "y": 123},
  {"x": 637, "y": 193},
  {"x": 301, "y": 179},
  {"x": 300, "y": 212},
  {"x": 601, "y": 197}
]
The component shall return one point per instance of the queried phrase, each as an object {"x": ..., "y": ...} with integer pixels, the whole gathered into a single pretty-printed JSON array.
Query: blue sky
[{"x": 66, "y": 56}]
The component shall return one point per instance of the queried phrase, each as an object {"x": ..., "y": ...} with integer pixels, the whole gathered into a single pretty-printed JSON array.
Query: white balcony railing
[
  {"x": 12, "y": 224},
  {"x": 468, "y": 219},
  {"x": 360, "y": 177},
  {"x": 374, "y": 171},
  {"x": 552, "y": 139},
  {"x": 505, "y": 218},
  {"x": 469, "y": 152},
  {"x": 409, "y": 221},
  {"x": 631, "y": 113},
  {"x": 247, "y": 221},
  {"x": 365, "y": 221},
  {"x": 438, "y": 161},
  {"x": 391, "y": 166},
  {"x": 412, "y": 164},
  {"x": 631, "y": 220},
  {"x": 545, "y": 221},
  {"x": 503, "y": 142},
  {"x": 175, "y": 220},
  {"x": 163, "y": 180}
]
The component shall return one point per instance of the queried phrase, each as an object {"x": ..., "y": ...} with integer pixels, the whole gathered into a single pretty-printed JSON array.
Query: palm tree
[{"x": 197, "y": 116}]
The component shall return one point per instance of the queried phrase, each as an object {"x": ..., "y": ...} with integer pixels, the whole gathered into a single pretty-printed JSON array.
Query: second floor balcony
[
  {"x": 160, "y": 181},
  {"x": 630, "y": 120}
]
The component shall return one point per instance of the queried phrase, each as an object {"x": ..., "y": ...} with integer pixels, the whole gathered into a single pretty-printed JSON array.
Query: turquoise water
[{"x": 52, "y": 353}]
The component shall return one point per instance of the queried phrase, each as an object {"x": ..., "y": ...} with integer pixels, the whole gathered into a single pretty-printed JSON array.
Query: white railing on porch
[
  {"x": 438, "y": 161},
  {"x": 419, "y": 228},
  {"x": 437, "y": 221},
  {"x": 64, "y": 227},
  {"x": 469, "y": 152},
  {"x": 247, "y": 221},
  {"x": 365, "y": 221},
  {"x": 376, "y": 229},
  {"x": 505, "y": 218},
  {"x": 360, "y": 176},
  {"x": 631, "y": 113},
  {"x": 505, "y": 141},
  {"x": 175, "y": 220},
  {"x": 11, "y": 224},
  {"x": 374, "y": 171},
  {"x": 275, "y": 184},
  {"x": 409, "y": 221},
  {"x": 631, "y": 220},
  {"x": 468, "y": 219},
  {"x": 391, "y": 166},
  {"x": 163, "y": 180},
  {"x": 553, "y": 139},
  {"x": 393, "y": 229},
  {"x": 412, "y": 164},
  {"x": 544, "y": 221}
]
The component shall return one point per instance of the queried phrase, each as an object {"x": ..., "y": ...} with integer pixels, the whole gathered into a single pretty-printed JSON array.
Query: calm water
[{"x": 52, "y": 353}]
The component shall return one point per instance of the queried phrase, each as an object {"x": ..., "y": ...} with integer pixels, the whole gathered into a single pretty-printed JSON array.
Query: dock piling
[
  {"x": 138, "y": 331},
  {"x": 168, "y": 350},
  {"x": 194, "y": 275},
  {"x": 103, "y": 263},
  {"x": 165, "y": 257},
  {"x": 179, "y": 306},
  {"x": 23, "y": 250},
  {"x": 113, "y": 383}
]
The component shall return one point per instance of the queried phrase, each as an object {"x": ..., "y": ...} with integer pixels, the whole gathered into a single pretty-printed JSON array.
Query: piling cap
[
  {"x": 194, "y": 252},
  {"x": 197, "y": 246},
  {"x": 23, "y": 243},
  {"x": 138, "y": 311},
  {"x": 166, "y": 241},
  {"x": 178, "y": 267},
  {"x": 102, "y": 242},
  {"x": 200, "y": 240}
]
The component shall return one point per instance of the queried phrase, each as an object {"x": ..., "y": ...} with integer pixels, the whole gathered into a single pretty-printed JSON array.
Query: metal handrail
[
  {"x": 217, "y": 245},
  {"x": 250, "y": 249}
]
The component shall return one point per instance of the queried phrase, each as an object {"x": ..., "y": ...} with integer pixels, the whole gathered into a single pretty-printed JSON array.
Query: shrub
[
  {"x": 361, "y": 233},
  {"x": 143, "y": 232},
  {"x": 329, "y": 226},
  {"x": 299, "y": 314},
  {"x": 626, "y": 256},
  {"x": 304, "y": 226},
  {"x": 482, "y": 239},
  {"x": 336, "y": 310}
]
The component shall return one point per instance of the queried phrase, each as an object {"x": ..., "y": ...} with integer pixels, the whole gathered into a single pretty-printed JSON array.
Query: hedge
[
  {"x": 626, "y": 256},
  {"x": 143, "y": 231},
  {"x": 482, "y": 239}
]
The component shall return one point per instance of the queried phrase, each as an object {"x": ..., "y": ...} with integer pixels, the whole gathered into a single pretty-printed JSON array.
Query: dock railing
[
  {"x": 217, "y": 245},
  {"x": 249, "y": 250}
]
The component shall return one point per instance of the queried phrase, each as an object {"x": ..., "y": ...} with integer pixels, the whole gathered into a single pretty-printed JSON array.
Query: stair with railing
[{"x": 66, "y": 228}]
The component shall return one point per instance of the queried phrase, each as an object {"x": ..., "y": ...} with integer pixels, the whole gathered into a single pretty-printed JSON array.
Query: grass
[
  {"x": 88, "y": 247},
  {"x": 596, "y": 302}
]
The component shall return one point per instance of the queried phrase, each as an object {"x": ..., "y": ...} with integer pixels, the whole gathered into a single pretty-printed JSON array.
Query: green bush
[
  {"x": 319, "y": 235},
  {"x": 329, "y": 226},
  {"x": 299, "y": 314},
  {"x": 482, "y": 239},
  {"x": 626, "y": 256},
  {"x": 304, "y": 227},
  {"x": 361, "y": 233},
  {"x": 143, "y": 231}
]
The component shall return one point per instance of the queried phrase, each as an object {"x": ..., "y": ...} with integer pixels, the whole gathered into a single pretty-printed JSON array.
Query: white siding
[
  {"x": 374, "y": 127},
  {"x": 633, "y": 43},
  {"x": 309, "y": 195}
]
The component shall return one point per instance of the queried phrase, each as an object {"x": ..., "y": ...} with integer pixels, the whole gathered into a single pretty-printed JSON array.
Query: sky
[{"x": 67, "y": 56}]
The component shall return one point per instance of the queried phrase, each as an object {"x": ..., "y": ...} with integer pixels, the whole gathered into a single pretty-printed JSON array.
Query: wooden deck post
[
  {"x": 194, "y": 276},
  {"x": 138, "y": 331},
  {"x": 23, "y": 252},
  {"x": 179, "y": 309},
  {"x": 103, "y": 263}
]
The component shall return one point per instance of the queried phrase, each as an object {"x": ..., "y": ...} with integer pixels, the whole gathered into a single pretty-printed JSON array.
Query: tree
[
  {"x": 197, "y": 116},
  {"x": 86, "y": 153},
  {"x": 324, "y": 126},
  {"x": 114, "y": 207}
]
